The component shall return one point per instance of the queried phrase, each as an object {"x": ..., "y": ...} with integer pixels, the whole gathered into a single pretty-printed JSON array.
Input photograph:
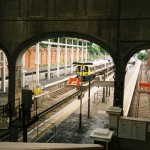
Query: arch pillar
[
  {"x": 72, "y": 57},
  {"x": 58, "y": 58},
  {"x": 37, "y": 61},
  {"x": 23, "y": 71},
  {"x": 18, "y": 78},
  {"x": 77, "y": 54},
  {"x": 3, "y": 72},
  {"x": 49, "y": 61},
  {"x": 66, "y": 56},
  {"x": 82, "y": 59},
  {"x": 12, "y": 83},
  {"x": 119, "y": 88},
  {"x": 14, "y": 88}
]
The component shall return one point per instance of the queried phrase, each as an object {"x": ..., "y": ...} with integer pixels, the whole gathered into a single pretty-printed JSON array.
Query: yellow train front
[{"x": 88, "y": 70}]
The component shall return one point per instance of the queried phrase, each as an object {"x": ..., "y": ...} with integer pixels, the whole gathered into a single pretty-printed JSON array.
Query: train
[{"x": 90, "y": 70}]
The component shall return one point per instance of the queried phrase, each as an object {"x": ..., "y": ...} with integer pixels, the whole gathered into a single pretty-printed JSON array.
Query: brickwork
[{"x": 30, "y": 56}]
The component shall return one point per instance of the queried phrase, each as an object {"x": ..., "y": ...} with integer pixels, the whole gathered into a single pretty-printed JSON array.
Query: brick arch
[
  {"x": 134, "y": 50},
  {"x": 19, "y": 51},
  {"x": 6, "y": 52}
]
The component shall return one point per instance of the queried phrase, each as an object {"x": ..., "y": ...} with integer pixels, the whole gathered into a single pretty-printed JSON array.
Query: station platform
[{"x": 68, "y": 131}]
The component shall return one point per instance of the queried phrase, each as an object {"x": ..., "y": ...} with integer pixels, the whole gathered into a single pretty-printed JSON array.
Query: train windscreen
[{"x": 85, "y": 69}]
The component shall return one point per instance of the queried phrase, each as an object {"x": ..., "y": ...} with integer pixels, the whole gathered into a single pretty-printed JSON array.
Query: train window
[
  {"x": 78, "y": 68},
  {"x": 85, "y": 68},
  {"x": 97, "y": 67},
  {"x": 92, "y": 69}
]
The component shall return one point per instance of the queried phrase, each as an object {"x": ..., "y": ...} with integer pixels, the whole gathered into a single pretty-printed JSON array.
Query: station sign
[
  {"x": 144, "y": 87},
  {"x": 73, "y": 81}
]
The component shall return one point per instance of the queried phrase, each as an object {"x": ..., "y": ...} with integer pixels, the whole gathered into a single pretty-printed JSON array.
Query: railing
[
  {"x": 49, "y": 131},
  {"x": 98, "y": 96},
  {"x": 6, "y": 109}
]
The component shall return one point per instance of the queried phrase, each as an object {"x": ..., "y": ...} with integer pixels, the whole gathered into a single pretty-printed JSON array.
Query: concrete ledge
[
  {"x": 47, "y": 146},
  {"x": 130, "y": 86}
]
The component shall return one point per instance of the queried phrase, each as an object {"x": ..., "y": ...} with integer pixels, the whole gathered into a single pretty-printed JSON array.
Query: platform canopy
[{"x": 104, "y": 83}]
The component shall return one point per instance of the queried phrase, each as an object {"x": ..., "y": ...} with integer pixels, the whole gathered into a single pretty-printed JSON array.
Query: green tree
[
  {"x": 95, "y": 50},
  {"x": 142, "y": 55}
]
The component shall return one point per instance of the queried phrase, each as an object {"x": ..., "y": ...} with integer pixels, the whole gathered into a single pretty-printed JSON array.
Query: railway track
[
  {"x": 67, "y": 99},
  {"x": 60, "y": 91},
  {"x": 53, "y": 97}
]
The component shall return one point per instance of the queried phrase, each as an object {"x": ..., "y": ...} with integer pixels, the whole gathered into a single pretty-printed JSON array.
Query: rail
[{"x": 58, "y": 104}]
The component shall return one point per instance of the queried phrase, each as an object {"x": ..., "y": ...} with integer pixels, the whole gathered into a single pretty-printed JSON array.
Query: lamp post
[
  {"x": 80, "y": 121},
  {"x": 89, "y": 96},
  {"x": 81, "y": 88}
]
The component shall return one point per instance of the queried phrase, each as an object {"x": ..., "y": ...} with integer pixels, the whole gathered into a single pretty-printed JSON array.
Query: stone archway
[{"x": 19, "y": 52}]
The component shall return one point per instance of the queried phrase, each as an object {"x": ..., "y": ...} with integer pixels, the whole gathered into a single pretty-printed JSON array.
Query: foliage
[
  {"x": 95, "y": 50},
  {"x": 142, "y": 55},
  {"x": 43, "y": 45}
]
